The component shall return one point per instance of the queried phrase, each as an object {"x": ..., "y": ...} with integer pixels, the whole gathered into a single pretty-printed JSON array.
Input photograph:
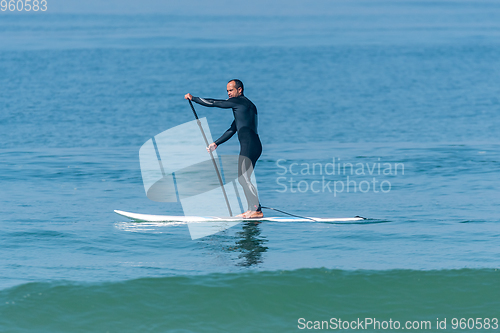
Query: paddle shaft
[{"x": 213, "y": 159}]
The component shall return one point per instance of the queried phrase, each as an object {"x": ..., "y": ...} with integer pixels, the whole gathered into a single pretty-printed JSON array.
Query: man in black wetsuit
[{"x": 245, "y": 123}]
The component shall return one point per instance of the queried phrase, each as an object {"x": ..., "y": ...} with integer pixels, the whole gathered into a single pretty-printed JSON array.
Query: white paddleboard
[{"x": 170, "y": 218}]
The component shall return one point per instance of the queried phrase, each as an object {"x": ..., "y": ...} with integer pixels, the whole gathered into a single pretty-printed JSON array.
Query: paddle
[{"x": 213, "y": 159}]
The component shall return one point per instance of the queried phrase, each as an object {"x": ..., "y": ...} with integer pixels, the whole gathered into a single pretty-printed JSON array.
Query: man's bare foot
[
  {"x": 244, "y": 214},
  {"x": 251, "y": 214}
]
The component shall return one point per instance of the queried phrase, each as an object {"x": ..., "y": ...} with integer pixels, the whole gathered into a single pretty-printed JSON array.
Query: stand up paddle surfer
[{"x": 245, "y": 123}]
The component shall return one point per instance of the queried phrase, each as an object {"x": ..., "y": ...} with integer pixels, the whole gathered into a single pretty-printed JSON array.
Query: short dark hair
[{"x": 237, "y": 84}]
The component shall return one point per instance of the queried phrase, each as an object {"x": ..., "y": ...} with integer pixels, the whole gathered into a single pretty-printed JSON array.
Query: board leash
[{"x": 302, "y": 217}]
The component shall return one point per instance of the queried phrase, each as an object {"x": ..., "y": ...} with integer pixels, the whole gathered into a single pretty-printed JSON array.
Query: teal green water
[{"x": 251, "y": 301}]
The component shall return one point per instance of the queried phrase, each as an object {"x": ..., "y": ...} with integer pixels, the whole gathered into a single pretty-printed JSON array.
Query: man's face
[{"x": 232, "y": 91}]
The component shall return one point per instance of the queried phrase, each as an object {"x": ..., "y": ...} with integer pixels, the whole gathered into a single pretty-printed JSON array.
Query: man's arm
[
  {"x": 227, "y": 135},
  {"x": 217, "y": 103},
  {"x": 210, "y": 102},
  {"x": 225, "y": 104}
]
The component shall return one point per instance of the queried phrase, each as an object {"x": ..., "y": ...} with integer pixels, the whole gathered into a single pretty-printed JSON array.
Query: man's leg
[
  {"x": 250, "y": 150},
  {"x": 245, "y": 169}
]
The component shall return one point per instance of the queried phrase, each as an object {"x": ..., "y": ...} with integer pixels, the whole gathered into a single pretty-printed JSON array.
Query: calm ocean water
[{"x": 371, "y": 87}]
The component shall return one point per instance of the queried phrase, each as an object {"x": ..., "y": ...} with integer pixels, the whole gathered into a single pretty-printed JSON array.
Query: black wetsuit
[{"x": 245, "y": 123}]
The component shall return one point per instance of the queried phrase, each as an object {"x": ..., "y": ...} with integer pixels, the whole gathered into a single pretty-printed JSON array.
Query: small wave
[{"x": 249, "y": 301}]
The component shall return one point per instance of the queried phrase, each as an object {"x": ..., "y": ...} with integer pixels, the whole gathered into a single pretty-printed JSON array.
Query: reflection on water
[{"x": 250, "y": 244}]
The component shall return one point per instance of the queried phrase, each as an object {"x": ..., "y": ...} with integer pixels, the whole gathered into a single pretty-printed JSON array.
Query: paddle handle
[{"x": 196, "y": 116}]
